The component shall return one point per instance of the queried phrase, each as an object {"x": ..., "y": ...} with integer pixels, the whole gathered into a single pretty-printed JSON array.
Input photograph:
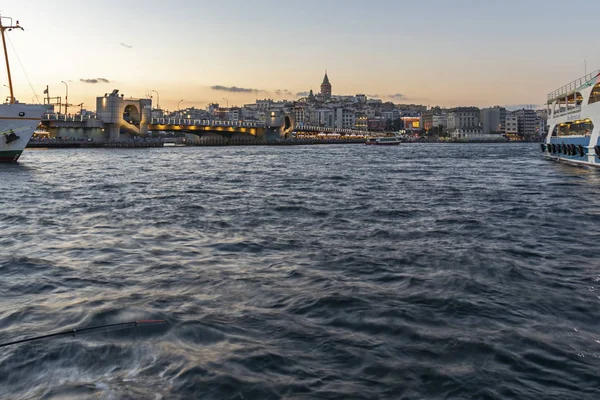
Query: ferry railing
[{"x": 571, "y": 87}]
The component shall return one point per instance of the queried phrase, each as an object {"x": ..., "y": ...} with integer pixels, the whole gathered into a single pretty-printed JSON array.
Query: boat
[
  {"x": 384, "y": 141},
  {"x": 17, "y": 120},
  {"x": 574, "y": 122}
]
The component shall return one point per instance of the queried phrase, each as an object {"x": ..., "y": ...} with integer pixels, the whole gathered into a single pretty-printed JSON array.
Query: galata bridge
[{"x": 121, "y": 119}]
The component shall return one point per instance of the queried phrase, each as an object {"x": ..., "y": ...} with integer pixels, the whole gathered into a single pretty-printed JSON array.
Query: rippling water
[{"x": 344, "y": 272}]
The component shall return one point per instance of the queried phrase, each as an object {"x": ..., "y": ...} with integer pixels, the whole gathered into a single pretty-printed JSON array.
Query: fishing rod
[{"x": 73, "y": 332}]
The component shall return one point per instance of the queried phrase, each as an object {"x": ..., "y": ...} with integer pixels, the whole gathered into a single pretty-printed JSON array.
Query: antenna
[{"x": 2, "y": 29}]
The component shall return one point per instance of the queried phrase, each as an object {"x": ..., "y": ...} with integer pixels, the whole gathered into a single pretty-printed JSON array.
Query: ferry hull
[
  {"x": 383, "y": 144},
  {"x": 17, "y": 123},
  {"x": 574, "y": 151}
]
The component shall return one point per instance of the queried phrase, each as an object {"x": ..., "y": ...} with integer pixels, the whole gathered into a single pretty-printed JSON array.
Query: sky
[{"x": 431, "y": 52}]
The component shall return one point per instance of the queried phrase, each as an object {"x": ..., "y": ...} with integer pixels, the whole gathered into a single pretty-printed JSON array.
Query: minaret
[{"x": 326, "y": 87}]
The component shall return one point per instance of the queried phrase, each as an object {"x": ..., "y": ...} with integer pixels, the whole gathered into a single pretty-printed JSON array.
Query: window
[
  {"x": 578, "y": 128},
  {"x": 595, "y": 95}
]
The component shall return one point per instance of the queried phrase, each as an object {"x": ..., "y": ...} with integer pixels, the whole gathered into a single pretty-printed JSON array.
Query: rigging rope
[{"x": 25, "y": 72}]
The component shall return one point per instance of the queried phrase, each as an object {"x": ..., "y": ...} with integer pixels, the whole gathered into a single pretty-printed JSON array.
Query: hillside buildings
[{"x": 328, "y": 110}]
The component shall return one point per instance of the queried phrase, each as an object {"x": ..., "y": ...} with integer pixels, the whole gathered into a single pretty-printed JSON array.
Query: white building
[
  {"x": 264, "y": 105},
  {"x": 344, "y": 118},
  {"x": 391, "y": 115},
  {"x": 512, "y": 125},
  {"x": 493, "y": 119},
  {"x": 249, "y": 111},
  {"x": 475, "y": 134},
  {"x": 326, "y": 118},
  {"x": 440, "y": 120},
  {"x": 463, "y": 118}
]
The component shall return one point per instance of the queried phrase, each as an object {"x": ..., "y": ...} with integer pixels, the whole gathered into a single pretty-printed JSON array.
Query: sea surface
[{"x": 422, "y": 271}]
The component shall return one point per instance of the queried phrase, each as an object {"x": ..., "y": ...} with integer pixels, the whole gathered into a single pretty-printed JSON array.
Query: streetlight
[
  {"x": 226, "y": 101},
  {"x": 66, "y": 97},
  {"x": 178, "y": 103},
  {"x": 157, "y": 99}
]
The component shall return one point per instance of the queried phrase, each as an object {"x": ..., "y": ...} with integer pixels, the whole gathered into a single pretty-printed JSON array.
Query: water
[{"x": 345, "y": 272}]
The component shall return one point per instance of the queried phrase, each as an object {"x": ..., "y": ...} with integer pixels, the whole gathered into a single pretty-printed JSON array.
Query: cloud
[
  {"x": 234, "y": 89},
  {"x": 398, "y": 96},
  {"x": 302, "y": 94},
  {"x": 102, "y": 80},
  {"x": 283, "y": 92},
  {"x": 126, "y": 45}
]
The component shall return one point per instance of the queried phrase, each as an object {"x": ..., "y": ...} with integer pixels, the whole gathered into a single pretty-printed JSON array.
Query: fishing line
[{"x": 75, "y": 332}]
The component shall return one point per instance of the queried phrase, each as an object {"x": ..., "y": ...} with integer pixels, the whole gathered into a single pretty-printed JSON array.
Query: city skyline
[{"x": 432, "y": 53}]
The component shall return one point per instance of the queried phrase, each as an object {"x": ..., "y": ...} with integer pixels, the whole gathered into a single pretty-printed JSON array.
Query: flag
[{"x": 46, "y": 90}]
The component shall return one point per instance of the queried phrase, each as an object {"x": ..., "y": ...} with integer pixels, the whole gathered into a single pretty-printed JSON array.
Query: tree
[{"x": 394, "y": 125}]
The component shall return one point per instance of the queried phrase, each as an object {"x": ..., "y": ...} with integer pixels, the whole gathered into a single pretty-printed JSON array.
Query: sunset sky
[{"x": 432, "y": 52}]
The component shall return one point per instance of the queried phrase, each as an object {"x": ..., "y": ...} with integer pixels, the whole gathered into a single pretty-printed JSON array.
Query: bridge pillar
[
  {"x": 275, "y": 123},
  {"x": 113, "y": 132},
  {"x": 123, "y": 118}
]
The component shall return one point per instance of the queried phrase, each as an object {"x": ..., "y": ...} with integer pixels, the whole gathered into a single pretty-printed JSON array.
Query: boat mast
[{"x": 2, "y": 29}]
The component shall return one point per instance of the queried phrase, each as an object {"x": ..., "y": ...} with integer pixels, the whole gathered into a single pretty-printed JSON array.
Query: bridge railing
[
  {"x": 205, "y": 122},
  {"x": 332, "y": 130}
]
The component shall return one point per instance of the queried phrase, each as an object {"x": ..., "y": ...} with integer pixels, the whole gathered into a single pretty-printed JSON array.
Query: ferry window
[
  {"x": 573, "y": 101},
  {"x": 579, "y": 128},
  {"x": 595, "y": 95}
]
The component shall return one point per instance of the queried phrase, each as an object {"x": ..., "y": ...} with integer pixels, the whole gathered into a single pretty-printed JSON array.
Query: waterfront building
[
  {"x": 193, "y": 113},
  {"x": 412, "y": 124},
  {"x": 511, "y": 127},
  {"x": 542, "y": 116},
  {"x": 361, "y": 98},
  {"x": 234, "y": 114},
  {"x": 249, "y": 112},
  {"x": 301, "y": 115},
  {"x": 463, "y": 118},
  {"x": 440, "y": 120},
  {"x": 361, "y": 122},
  {"x": 391, "y": 115},
  {"x": 326, "y": 118},
  {"x": 472, "y": 133},
  {"x": 376, "y": 124},
  {"x": 493, "y": 120},
  {"x": 411, "y": 110},
  {"x": 528, "y": 123},
  {"x": 264, "y": 105},
  {"x": 313, "y": 117},
  {"x": 326, "y": 87},
  {"x": 344, "y": 117},
  {"x": 433, "y": 117}
]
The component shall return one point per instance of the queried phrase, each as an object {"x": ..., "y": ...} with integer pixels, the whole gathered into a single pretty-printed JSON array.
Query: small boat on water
[
  {"x": 384, "y": 141},
  {"x": 574, "y": 122},
  {"x": 17, "y": 121}
]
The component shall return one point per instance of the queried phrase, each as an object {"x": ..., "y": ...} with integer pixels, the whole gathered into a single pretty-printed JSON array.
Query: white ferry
[
  {"x": 574, "y": 122},
  {"x": 17, "y": 121},
  {"x": 384, "y": 141}
]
